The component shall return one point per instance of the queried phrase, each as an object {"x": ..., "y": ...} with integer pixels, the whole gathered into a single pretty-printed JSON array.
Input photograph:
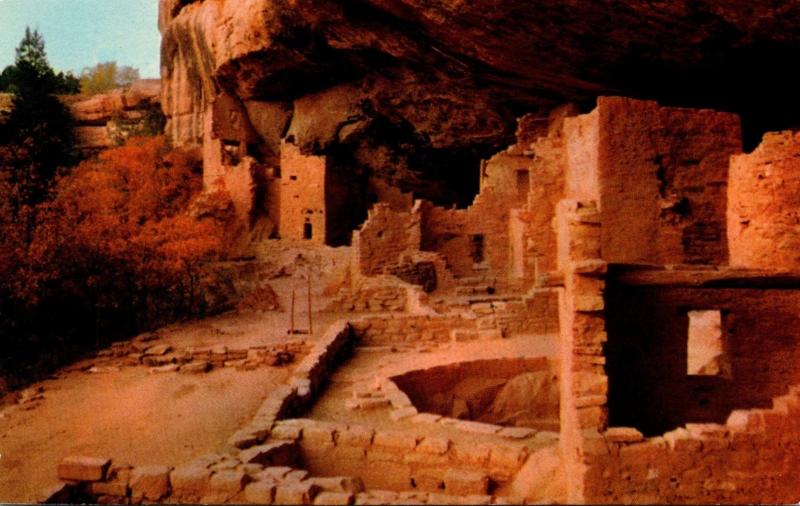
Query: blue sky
[{"x": 82, "y": 33}]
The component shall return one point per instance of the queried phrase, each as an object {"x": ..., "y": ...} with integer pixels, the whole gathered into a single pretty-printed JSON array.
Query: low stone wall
[
  {"x": 253, "y": 472},
  {"x": 535, "y": 313},
  {"x": 752, "y": 458},
  {"x": 309, "y": 376},
  {"x": 413, "y": 329},
  {"x": 379, "y": 294},
  {"x": 161, "y": 357},
  {"x": 402, "y": 460}
]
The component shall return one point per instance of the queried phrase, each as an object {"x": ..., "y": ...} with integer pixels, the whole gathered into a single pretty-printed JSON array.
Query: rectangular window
[
  {"x": 523, "y": 185},
  {"x": 706, "y": 346},
  {"x": 308, "y": 231},
  {"x": 477, "y": 248}
]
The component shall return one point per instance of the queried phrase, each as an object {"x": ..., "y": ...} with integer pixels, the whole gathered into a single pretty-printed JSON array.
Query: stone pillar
[{"x": 583, "y": 381}]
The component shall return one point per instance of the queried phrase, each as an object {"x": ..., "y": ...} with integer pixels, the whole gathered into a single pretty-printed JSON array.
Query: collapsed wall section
[
  {"x": 763, "y": 198},
  {"x": 384, "y": 238}
]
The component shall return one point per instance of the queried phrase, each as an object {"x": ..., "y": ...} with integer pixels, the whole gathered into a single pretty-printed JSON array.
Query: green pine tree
[{"x": 39, "y": 124}]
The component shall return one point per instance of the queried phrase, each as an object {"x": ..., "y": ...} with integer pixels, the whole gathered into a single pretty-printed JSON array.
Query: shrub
[{"x": 113, "y": 252}]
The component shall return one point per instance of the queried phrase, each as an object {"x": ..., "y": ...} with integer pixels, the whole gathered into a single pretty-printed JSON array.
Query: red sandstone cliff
[
  {"x": 102, "y": 121},
  {"x": 459, "y": 72}
]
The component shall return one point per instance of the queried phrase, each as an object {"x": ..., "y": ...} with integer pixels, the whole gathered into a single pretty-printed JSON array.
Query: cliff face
[
  {"x": 418, "y": 90},
  {"x": 105, "y": 120}
]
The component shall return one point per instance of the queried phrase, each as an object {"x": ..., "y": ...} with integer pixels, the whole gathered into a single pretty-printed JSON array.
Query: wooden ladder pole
[
  {"x": 291, "y": 320},
  {"x": 310, "y": 323}
]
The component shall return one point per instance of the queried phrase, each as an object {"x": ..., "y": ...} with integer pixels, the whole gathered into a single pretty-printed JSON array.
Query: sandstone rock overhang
[{"x": 459, "y": 72}]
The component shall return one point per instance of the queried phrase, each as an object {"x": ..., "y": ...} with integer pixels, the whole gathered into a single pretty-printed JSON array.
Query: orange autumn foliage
[
  {"x": 114, "y": 251},
  {"x": 128, "y": 207}
]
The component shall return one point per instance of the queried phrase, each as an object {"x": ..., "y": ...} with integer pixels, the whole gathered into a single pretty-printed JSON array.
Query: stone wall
[
  {"x": 648, "y": 331},
  {"x": 455, "y": 234},
  {"x": 752, "y": 458},
  {"x": 302, "y": 207},
  {"x": 375, "y": 294},
  {"x": 748, "y": 455},
  {"x": 763, "y": 198},
  {"x": 659, "y": 180},
  {"x": 532, "y": 236},
  {"x": 385, "y": 238},
  {"x": 411, "y": 329},
  {"x": 402, "y": 460},
  {"x": 584, "y": 385}
]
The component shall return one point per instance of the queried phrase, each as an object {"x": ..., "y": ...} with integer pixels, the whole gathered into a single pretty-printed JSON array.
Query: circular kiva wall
[
  {"x": 764, "y": 205},
  {"x": 518, "y": 392}
]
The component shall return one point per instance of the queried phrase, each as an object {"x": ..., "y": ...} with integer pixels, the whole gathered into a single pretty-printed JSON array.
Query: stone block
[
  {"x": 57, "y": 493},
  {"x": 490, "y": 334},
  {"x": 334, "y": 498},
  {"x": 433, "y": 445},
  {"x": 428, "y": 479},
  {"x": 273, "y": 473},
  {"x": 425, "y": 418},
  {"x": 296, "y": 493},
  {"x": 462, "y": 482},
  {"x": 190, "y": 479},
  {"x": 260, "y": 492},
  {"x": 507, "y": 457},
  {"x": 223, "y": 485},
  {"x": 150, "y": 483},
  {"x": 641, "y": 453},
  {"x": 111, "y": 488},
  {"x": 349, "y": 453},
  {"x": 196, "y": 367},
  {"x": 207, "y": 460},
  {"x": 278, "y": 454},
  {"x": 227, "y": 463},
  {"x": 395, "y": 440},
  {"x": 401, "y": 413},
  {"x": 398, "y": 399},
  {"x": 159, "y": 349},
  {"x": 707, "y": 430},
  {"x": 623, "y": 435},
  {"x": 681, "y": 441},
  {"x": 475, "y": 454},
  {"x": 164, "y": 368},
  {"x": 371, "y": 403},
  {"x": 746, "y": 420},
  {"x": 516, "y": 432},
  {"x": 285, "y": 431},
  {"x": 243, "y": 439},
  {"x": 318, "y": 435},
  {"x": 78, "y": 468},
  {"x": 348, "y": 484},
  {"x": 355, "y": 435},
  {"x": 296, "y": 475},
  {"x": 477, "y": 427}
]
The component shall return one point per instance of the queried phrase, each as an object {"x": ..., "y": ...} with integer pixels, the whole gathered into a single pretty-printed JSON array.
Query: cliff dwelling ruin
[{"x": 551, "y": 252}]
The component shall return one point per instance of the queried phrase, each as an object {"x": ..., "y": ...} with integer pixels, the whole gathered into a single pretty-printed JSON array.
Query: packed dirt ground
[{"x": 140, "y": 414}]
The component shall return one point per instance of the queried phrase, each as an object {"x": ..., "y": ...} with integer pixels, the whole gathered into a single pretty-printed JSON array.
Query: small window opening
[
  {"x": 523, "y": 184},
  {"x": 230, "y": 152},
  {"x": 293, "y": 178},
  {"x": 477, "y": 248},
  {"x": 308, "y": 231},
  {"x": 706, "y": 347}
]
